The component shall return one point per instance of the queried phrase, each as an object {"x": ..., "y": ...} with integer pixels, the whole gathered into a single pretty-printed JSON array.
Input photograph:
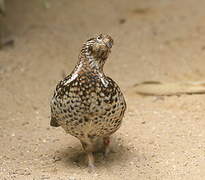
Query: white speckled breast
[{"x": 85, "y": 107}]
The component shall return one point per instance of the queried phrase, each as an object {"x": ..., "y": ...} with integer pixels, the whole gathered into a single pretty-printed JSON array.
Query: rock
[{"x": 56, "y": 158}]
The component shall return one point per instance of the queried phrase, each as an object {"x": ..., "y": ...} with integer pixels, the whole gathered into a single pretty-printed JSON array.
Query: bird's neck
[{"x": 88, "y": 63}]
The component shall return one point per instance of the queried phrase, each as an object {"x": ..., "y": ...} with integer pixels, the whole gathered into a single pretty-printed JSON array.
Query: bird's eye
[{"x": 99, "y": 37}]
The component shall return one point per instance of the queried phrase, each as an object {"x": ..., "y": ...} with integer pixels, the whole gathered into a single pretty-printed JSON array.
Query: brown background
[{"x": 161, "y": 138}]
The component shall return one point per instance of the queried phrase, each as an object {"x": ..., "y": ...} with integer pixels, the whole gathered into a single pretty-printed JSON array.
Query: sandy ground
[{"x": 160, "y": 139}]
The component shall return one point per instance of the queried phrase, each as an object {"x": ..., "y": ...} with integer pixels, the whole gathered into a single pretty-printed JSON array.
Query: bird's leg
[
  {"x": 106, "y": 143},
  {"x": 88, "y": 148}
]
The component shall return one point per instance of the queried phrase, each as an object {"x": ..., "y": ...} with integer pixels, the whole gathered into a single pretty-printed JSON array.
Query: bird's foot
[
  {"x": 88, "y": 148},
  {"x": 91, "y": 168},
  {"x": 106, "y": 152}
]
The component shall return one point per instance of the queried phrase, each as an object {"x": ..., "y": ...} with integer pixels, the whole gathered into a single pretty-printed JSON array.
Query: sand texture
[{"x": 161, "y": 138}]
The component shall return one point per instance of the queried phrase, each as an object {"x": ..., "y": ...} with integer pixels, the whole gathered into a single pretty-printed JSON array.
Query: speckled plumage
[{"x": 87, "y": 104}]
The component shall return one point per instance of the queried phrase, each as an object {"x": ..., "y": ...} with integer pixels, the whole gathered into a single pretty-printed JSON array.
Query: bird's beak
[{"x": 108, "y": 42}]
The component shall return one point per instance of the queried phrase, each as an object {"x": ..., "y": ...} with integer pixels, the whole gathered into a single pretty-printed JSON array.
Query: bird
[{"x": 87, "y": 104}]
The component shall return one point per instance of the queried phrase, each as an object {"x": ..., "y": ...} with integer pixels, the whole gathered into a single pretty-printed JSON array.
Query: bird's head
[{"x": 97, "y": 49}]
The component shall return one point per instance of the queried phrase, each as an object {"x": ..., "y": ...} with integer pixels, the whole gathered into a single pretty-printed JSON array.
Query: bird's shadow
[{"x": 76, "y": 157}]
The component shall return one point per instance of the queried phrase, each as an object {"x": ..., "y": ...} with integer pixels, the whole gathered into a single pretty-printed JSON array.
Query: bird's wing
[{"x": 54, "y": 122}]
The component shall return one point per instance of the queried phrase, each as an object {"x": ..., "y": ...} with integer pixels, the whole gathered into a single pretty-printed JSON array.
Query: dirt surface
[{"x": 162, "y": 138}]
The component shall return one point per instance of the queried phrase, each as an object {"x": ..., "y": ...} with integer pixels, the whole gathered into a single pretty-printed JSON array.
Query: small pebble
[
  {"x": 25, "y": 123},
  {"x": 122, "y": 21},
  {"x": 22, "y": 172},
  {"x": 56, "y": 158},
  {"x": 72, "y": 178},
  {"x": 45, "y": 177}
]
